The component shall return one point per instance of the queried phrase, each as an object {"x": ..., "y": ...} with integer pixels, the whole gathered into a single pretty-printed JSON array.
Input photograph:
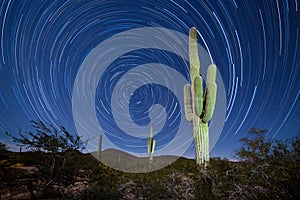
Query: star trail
[{"x": 45, "y": 44}]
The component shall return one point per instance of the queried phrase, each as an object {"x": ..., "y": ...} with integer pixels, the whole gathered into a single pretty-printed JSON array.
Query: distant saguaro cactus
[
  {"x": 151, "y": 144},
  {"x": 99, "y": 147},
  {"x": 199, "y": 108}
]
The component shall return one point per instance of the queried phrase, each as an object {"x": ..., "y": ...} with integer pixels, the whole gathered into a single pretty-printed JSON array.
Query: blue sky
[{"x": 255, "y": 45}]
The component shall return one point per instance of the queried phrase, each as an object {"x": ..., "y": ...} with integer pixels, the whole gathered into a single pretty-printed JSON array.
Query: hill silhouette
[{"x": 127, "y": 162}]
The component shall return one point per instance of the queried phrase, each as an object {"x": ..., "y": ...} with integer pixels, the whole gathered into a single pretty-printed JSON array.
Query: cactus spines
[
  {"x": 199, "y": 108},
  {"x": 151, "y": 144}
]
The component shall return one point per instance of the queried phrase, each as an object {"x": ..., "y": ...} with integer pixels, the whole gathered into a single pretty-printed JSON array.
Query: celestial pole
[{"x": 255, "y": 45}]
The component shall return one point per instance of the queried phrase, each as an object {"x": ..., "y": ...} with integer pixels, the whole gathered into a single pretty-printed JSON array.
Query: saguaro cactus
[
  {"x": 99, "y": 147},
  {"x": 151, "y": 144},
  {"x": 199, "y": 108}
]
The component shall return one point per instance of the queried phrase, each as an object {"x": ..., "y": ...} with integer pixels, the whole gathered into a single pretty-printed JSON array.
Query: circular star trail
[{"x": 255, "y": 45}]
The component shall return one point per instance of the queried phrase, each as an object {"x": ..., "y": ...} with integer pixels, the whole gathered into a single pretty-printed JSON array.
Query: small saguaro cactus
[
  {"x": 99, "y": 147},
  {"x": 151, "y": 144},
  {"x": 199, "y": 108}
]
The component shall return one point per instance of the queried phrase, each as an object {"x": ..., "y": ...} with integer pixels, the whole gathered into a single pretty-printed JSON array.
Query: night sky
[{"x": 55, "y": 67}]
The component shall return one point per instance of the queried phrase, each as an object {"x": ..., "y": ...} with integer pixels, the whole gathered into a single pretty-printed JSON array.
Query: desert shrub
[
  {"x": 54, "y": 153},
  {"x": 266, "y": 169}
]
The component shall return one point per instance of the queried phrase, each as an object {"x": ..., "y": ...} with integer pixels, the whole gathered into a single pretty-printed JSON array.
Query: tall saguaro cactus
[
  {"x": 199, "y": 107},
  {"x": 151, "y": 144}
]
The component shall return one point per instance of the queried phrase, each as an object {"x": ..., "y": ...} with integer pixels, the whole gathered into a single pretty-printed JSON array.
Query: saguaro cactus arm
[
  {"x": 210, "y": 100},
  {"x": 198, "y": 95},
  {"x": 210, "y": 94},
  {"x": 188, "y": 103}
]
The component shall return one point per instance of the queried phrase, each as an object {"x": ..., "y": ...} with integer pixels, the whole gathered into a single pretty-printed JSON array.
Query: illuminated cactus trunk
[
  {"x": 151, "y": 144},
  {"x": 199, "y": 108}
]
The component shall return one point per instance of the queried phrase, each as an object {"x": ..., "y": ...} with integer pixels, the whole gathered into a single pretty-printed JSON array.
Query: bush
[{"x": 54, "y": 154}]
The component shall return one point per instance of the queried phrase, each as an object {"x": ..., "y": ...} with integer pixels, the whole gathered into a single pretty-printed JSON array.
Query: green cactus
[
  {"x": 199, "y": 108},
  {"x": 151, "y": 144}
]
